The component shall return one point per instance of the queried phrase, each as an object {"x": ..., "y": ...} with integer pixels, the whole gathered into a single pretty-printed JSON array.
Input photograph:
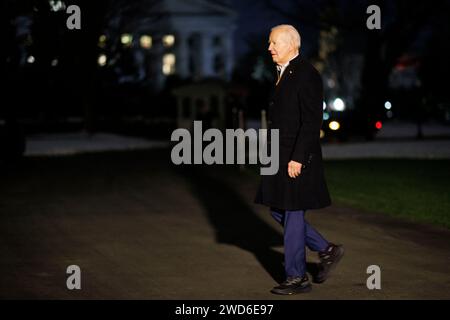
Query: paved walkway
[
  {"x": 62, "y": 144},
  {"x": 77, "y": 143},
  {"x": 140, "y": 228}
]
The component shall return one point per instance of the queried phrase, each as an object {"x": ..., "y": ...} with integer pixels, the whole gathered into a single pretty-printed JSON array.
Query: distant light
[
  {"x": 324, "y": 105},
  {"x": 168, "y": 66},
  {"x": 102, "y": 41},
  {"x": 334, "y": 125},
  {"x": 389, "y": 114},
  {"x": 54, "y": 62},
  {"x": 331, "y": 83},
  {"x": 146, "y": 41},
  {"x": 102, "y": 60},
  {"x": 378, "y": 125},
  {"x": 338, "y": 104},
  {"x": 322, "y": 134},
  {"x": 31, "y": 59},
  {"x": 326, "y": 116},
  {"x": 388, "y": 105},
  {"x": 168, "y": 40},
  {"x": 57, "y": 5},
  {"x": 126, "y": 39}
]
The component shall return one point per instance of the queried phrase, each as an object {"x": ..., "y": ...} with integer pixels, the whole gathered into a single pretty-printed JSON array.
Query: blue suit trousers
[{"x": 298, "y": 233}]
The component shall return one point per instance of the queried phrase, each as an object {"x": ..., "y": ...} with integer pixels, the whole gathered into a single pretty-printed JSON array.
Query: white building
[{"x": 189, "y": 38}]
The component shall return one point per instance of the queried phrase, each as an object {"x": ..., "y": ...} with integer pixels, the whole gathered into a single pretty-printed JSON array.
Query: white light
[
  {"x": 388, "y": 105},
  {"x": 168, "y": 64},
  {"x": 168, "y": 40},
  {"x": 30, "y": 59},
  {"x": 126, "y": 39},
  {"x": 338, "y": 104},
  {"x": 102, "y": 60},
  {"x": 331, "y": 83},
  {"x": 102, "y": 41},
  {"x": 57, "y": 5},
  {"x": 334, "y": 125},
  {"x": 324, "y": 105},
  {"x": 54, "y": 62},
  {"x": 146, "y": 42}
]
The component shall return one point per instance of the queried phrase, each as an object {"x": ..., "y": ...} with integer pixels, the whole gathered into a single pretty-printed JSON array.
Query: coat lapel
[
  {"x": 287, "y": 74},
  {"x": 285, "y": 77}
]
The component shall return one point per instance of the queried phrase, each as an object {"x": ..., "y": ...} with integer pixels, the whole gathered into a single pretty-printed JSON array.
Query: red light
[{"x": 378, "y": 125}]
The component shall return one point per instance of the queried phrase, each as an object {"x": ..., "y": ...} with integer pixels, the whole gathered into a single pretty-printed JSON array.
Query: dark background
[{"x": 77, "y": 93}]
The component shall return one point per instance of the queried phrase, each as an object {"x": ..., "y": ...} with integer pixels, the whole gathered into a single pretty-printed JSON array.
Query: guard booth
[{"x": 201, "y": 101}]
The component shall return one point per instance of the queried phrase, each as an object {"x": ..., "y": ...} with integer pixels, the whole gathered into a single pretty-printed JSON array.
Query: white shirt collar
[{"x": 283, "y": 67}]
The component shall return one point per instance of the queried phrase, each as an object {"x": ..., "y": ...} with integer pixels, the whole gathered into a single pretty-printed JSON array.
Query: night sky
[{"x": 256, "y": 18}]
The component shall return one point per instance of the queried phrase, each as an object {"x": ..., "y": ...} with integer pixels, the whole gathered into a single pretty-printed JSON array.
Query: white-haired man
[{"x": 295, "y": 109}]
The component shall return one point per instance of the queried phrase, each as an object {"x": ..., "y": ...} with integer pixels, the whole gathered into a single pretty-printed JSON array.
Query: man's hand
[{"x": 294, "y": 169}]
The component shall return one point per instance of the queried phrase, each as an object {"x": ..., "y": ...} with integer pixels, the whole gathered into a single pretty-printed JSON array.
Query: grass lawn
[{"x": 418, "y": 190}]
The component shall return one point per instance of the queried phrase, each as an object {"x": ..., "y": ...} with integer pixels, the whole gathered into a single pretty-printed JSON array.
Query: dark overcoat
[{"x": 296, "y": 109}]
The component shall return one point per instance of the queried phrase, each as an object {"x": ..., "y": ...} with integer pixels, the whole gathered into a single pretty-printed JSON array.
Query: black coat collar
[{"x": 292, "y": 65}]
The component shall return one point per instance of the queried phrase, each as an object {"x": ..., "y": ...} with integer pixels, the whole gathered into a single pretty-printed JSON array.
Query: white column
[
  {"x": 229, "y": 54},
  {"x": 160, "y": 76},
  {"x": 182, "y": 56},
  {"x": 207, "y": 55}
]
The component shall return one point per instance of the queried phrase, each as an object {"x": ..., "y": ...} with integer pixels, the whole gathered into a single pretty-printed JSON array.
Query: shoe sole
[
  {"x": 333, "y": 266},
  {"x": 297, "y": 291}
]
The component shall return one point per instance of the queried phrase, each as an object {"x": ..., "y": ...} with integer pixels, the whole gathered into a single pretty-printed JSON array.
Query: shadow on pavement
[{"x": 234, "y": 221}]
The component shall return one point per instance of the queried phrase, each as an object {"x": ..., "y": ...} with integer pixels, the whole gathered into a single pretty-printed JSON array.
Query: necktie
[{"x": 278, "y": 74}]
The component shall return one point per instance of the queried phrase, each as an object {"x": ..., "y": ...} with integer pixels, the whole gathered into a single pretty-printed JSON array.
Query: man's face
[{"x": 280, "y": 47}]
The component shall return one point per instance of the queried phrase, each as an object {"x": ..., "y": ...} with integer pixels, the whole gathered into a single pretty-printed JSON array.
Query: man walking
[{"x": 295, "y": 109}]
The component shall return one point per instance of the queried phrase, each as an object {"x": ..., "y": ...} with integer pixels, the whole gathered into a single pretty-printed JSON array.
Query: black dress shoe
[
  {"x": 328, "y": 261},
  {"x": 293, "y": 285}
]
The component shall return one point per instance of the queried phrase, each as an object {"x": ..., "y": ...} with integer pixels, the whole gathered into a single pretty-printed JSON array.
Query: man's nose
[{"x": 270, "y": 47}]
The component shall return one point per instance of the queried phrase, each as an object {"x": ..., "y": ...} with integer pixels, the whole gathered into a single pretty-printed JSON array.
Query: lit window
[
  {"x": 102, "y": 60},
  {"x": 146, "y": 42},
  {"x": 102, "y": 41},
  {"x": 168, "y": 64},
  {"x": 168, "y": 40},
  {"x": 126, "y": 39}
]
